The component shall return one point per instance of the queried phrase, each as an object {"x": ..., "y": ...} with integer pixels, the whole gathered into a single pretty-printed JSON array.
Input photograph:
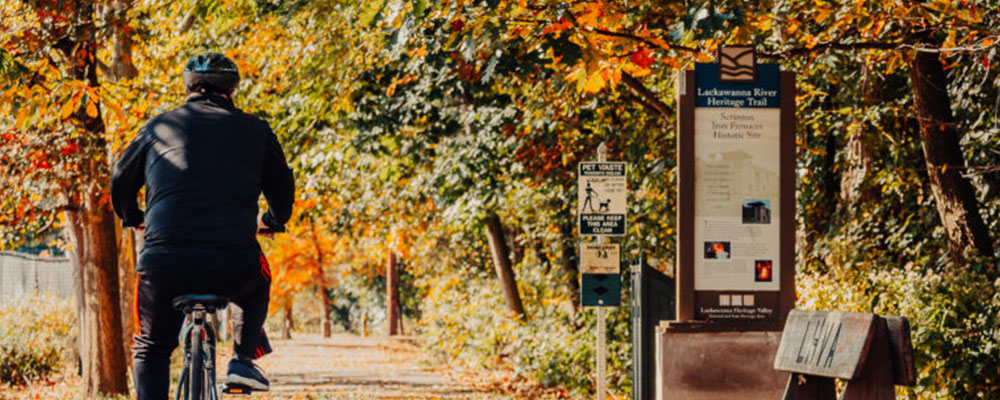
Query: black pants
[{"x": 159, "y": 323}]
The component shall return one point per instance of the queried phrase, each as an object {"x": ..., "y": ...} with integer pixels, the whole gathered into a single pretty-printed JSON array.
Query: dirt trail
[
  {"x": 343, "y": 367},
  {"x": 364, "y": 368}
]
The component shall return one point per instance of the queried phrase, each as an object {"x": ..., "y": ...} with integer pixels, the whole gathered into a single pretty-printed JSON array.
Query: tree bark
[
  {"x": 286, "y": 328},
  {"x": 91, "y": 234},
  {"x": 324, "y": 290},
  {"x": 956, "y": 202},
  {"x": 392, "y": 294},
  {"x": 120, "y": 65},
  {"x": 187, "y": 22},
  {"x": 517, "y": 247},
  {"x": 501, "y": 261},
  {"x": 540, "y": 256},
  {"x": 127, "y": 258},
  {"x": 327, "y": 323},
  {"x": 649, "y": 99},
  {"x": 570, "y": 269}
]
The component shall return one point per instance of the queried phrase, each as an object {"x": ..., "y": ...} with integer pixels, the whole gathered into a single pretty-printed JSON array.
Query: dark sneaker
[{"x": 242, "y": 372}]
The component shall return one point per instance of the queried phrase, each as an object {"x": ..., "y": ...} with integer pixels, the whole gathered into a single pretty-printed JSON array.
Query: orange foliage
[{"x": 304, "y": 257}]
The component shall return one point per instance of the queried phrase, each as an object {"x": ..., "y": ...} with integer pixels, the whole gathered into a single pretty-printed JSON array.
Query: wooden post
[
  {"x": 685, "y": 196},
  {"x": 392, "y": 295},
  {"x": 501, "y": 260}
]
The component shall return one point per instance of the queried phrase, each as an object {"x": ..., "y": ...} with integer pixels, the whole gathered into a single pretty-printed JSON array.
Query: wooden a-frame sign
[{"x": 870, "y": 352}]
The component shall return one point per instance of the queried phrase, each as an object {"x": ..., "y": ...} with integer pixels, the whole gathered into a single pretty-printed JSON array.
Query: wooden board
[
  {"x": 825, "y": 343},
  {"x": 904, "y": 371}
]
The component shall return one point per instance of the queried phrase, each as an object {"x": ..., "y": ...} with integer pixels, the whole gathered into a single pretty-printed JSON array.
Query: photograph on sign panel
[
  {"x": 717, "y": 250},
  {"x": 763, "y": 271},
  {"x": 756, "y": 211}
]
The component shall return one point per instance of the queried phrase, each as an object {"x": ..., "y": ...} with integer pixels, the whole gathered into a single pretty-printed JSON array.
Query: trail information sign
[
  {"x": 601, "y": 197},
  {"x": 736, "y": 195}
]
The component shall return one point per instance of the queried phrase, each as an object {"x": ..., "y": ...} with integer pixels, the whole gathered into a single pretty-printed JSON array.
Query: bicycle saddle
[{"x": 185, "y": 301}]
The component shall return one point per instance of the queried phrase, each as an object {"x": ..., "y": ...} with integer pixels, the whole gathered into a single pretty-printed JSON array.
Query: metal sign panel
[
  {"x": 600, "y": 290},
  {"x": 602, "y": 198},
  {"x": 600, "y": 258}
]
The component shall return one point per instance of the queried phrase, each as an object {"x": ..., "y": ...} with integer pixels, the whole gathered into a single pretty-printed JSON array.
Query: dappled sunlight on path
[{"x": 352, "y": 366}]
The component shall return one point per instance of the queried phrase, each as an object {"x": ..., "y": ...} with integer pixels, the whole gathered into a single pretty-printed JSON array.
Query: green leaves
[{"x": 12, "y": 71}]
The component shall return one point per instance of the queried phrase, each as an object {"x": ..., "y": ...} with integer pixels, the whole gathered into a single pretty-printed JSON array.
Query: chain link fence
[{"x": 23, "y": 274}]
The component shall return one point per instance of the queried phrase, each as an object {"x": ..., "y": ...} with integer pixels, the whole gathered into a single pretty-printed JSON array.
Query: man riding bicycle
[{"x": 204, "y": 165}]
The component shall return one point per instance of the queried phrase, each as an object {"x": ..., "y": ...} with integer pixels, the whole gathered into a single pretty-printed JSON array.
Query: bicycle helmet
[{"x": 212, "y": 72}]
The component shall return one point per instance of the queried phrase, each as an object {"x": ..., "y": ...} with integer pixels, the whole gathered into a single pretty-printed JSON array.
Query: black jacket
[{"x": 204, "y": 165}]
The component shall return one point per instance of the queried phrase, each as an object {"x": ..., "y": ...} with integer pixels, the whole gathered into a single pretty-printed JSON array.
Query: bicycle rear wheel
[{"x": 196, "y": 376}]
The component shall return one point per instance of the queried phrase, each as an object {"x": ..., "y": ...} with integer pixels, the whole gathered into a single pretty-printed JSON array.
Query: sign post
[{"x": 602, "y": 208}]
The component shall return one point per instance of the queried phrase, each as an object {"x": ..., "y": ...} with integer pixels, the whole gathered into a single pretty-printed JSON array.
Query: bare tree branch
[
  {"x": 669, "y": 46},
  {"x": 649, "y": 98}
]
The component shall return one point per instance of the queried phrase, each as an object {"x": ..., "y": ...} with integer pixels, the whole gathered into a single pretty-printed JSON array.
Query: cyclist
[{"x": 204, "y": 165}]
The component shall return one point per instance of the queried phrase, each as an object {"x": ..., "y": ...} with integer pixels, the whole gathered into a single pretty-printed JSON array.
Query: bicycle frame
[{"x": 197, "y": 381}]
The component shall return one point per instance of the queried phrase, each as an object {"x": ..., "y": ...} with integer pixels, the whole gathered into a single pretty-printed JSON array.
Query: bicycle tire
[{"x": 196, "y": 389}]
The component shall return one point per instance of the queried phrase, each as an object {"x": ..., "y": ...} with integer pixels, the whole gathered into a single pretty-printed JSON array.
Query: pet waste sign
[{"x": 602, "y": 195}]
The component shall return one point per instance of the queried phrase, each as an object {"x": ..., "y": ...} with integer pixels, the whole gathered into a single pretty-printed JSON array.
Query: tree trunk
[
  {"x": 90, "y": 227},
  {"x": 501, "y": 260},
  {"x": 402, "y": 329},
  {"x": 324, "y": 290},
  {"x": 517, "y": 247},
  {"x": 127, "y": 258},
  {"x": 540, "y": 256},
  {"x": 956, "y": 202},
  {"x": 392, "y": 294},
  {"x": 94, "y": 259},
  {"x": 570, "y": 270},
  {"x": 286, "y": 328},
  {"x": 120, "y": 65},
  {"x": 327, "y": 324}
]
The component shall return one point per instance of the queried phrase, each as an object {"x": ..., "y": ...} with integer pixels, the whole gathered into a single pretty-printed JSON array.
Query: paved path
[
  {"x": 346, "y": 366},
  {"x": 343, "y": 367}
]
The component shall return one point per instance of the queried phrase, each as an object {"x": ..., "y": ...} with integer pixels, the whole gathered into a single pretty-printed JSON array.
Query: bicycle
[{"x": 197, "y": 380}]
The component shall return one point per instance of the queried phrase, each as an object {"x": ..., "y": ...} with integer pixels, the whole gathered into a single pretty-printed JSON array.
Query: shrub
[
  {"x": 466, "y": 321},
  {"x": 953, "y": 312},
  {"x": 35, "y": 331}
]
